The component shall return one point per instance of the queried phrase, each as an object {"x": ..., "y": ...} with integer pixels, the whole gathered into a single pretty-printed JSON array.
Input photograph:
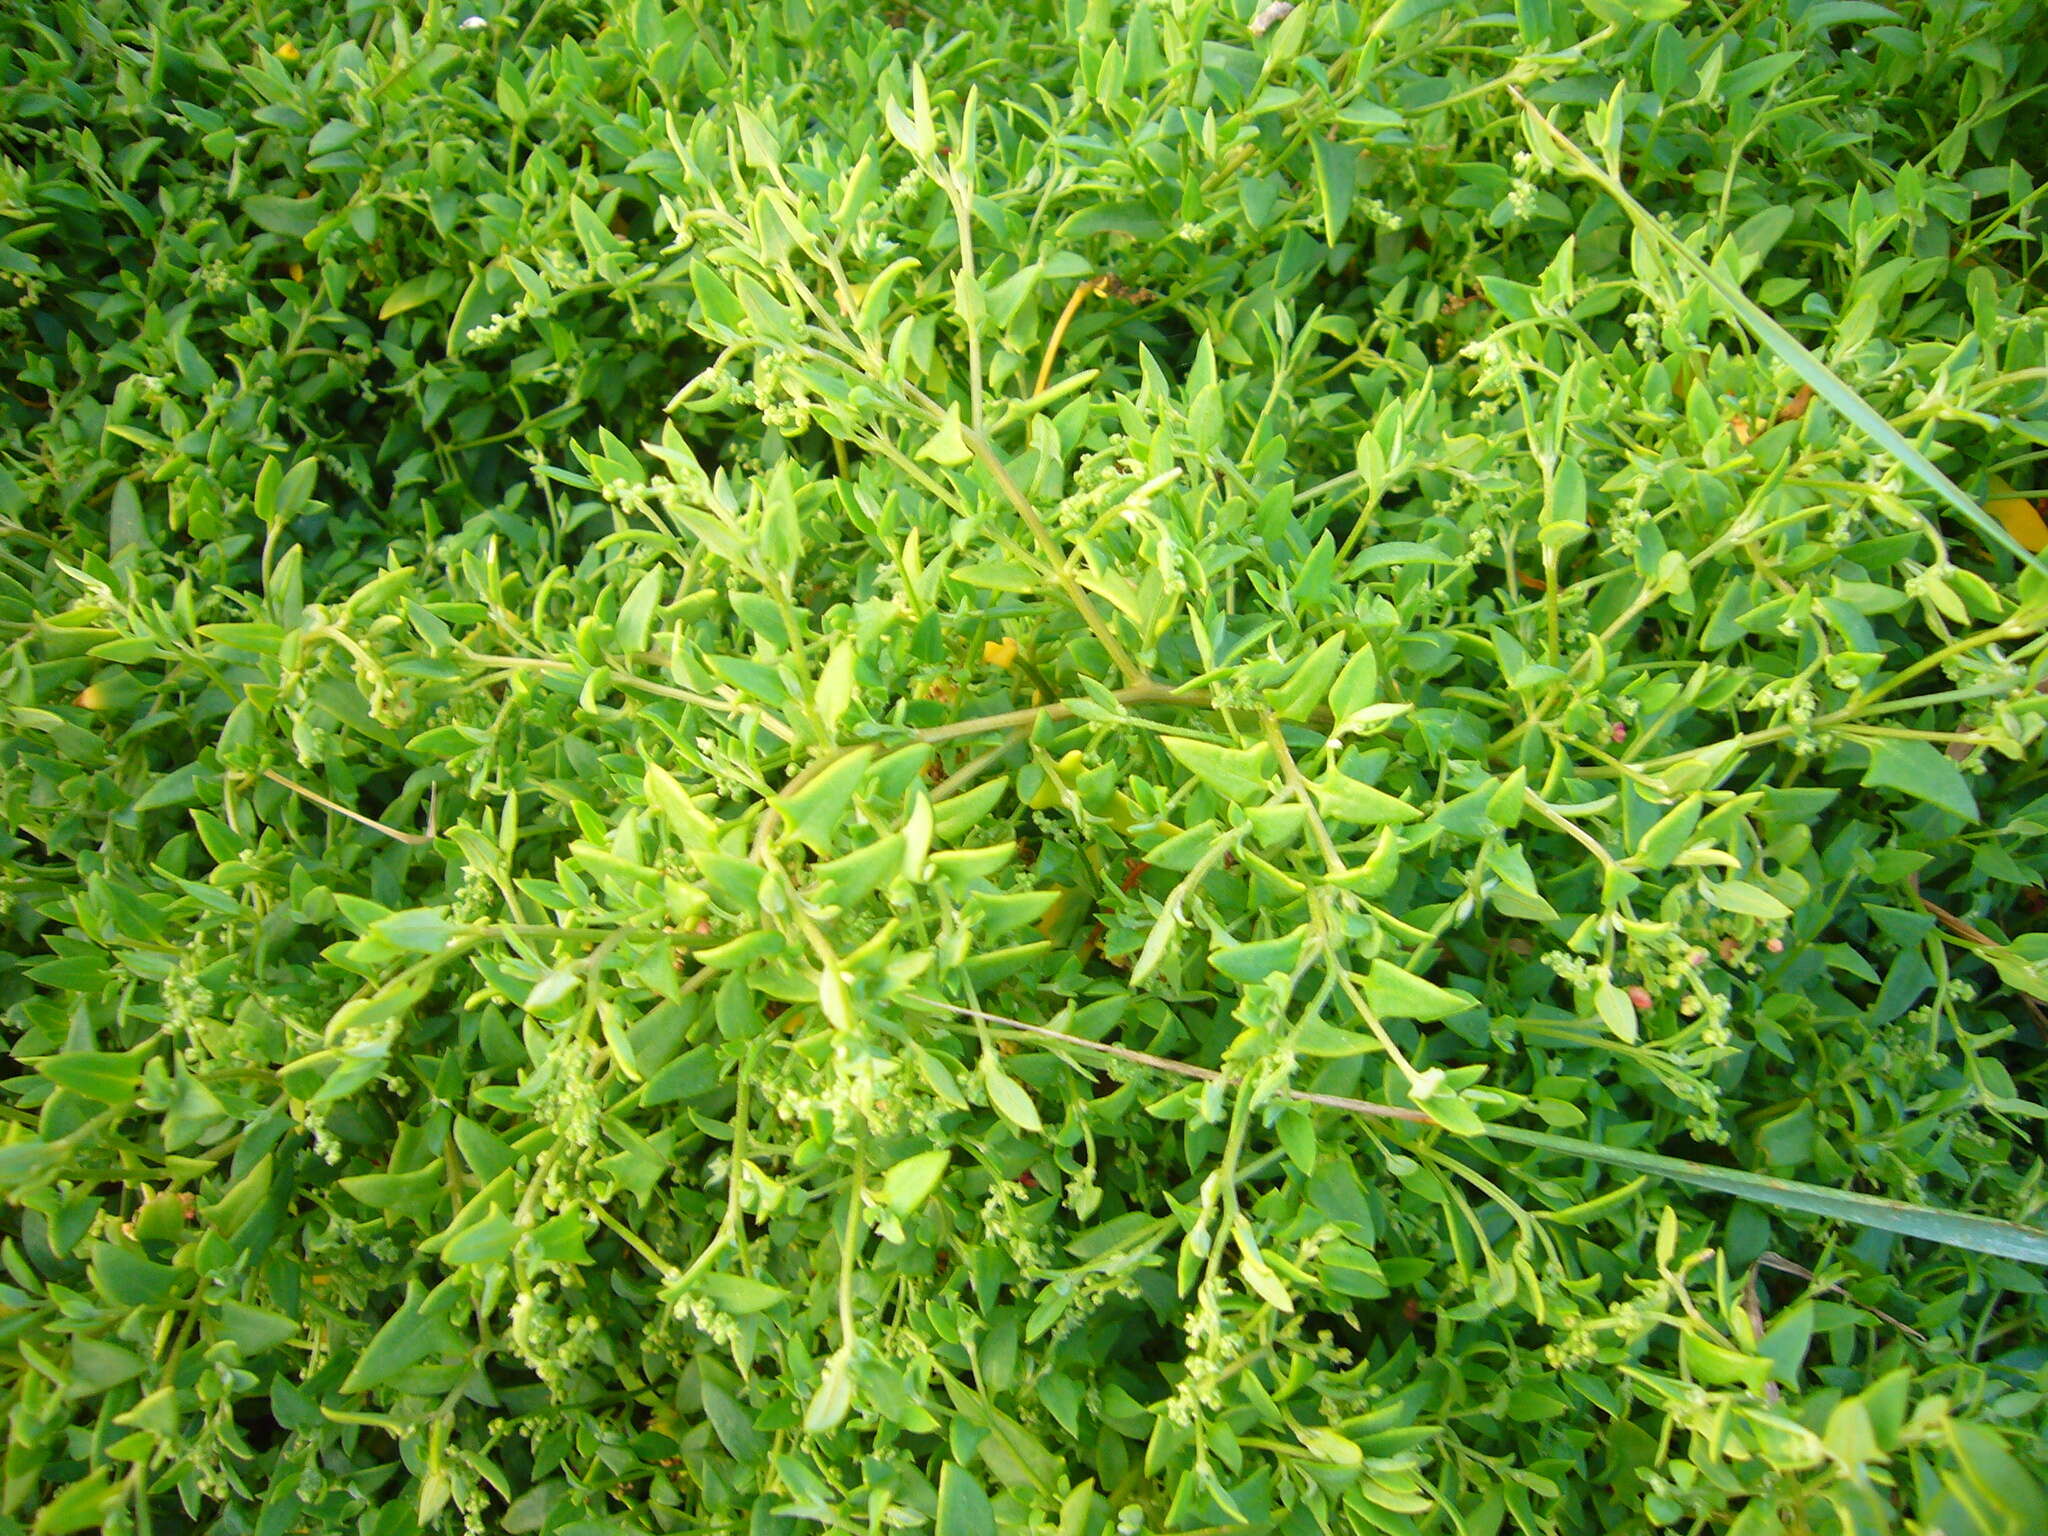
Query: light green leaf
[
  {"x": 1308, "y": 684},
  {"x": 832, "y": 1398},
  {"x": 947, "y": 446},
  {"x": 415, "y": 291},
  {"x": 1435, "y": 1097},
  {"x": 2022, "y": 964},
  {"x": 1616, "y": 1012},
  {"x": 910, "y": 1183},
  {"x": 1253, "y": 1269},
  {"x": 1343, "y": 798},
  {"x": 1261, "y": 957},
  {"x": 1239, "y": 774},
  {"x": 835, "y": 686},
  {"x": 1009, "y": 1099},
  {"x": 419, "y": 930},
  {"x": 1398, "y": 994},
  {"x": 551, "y": 989},
  {"x": 741, "y": 1295},
  {"x": 815, "y": 809},
  {"x": 1742, "y": 897},
  {"x": 636, "y": 614}
]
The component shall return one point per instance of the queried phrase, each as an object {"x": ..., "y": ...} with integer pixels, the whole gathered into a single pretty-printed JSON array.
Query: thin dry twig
[
  {"x": 410, "y": 839},
  {"x": 1779, "y": 1262}
]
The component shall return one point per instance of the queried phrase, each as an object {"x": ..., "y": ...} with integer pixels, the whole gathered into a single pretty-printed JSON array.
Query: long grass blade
[
  {"x": 1958, "y": 1229},
  {"x": 1811, "y": 370}
]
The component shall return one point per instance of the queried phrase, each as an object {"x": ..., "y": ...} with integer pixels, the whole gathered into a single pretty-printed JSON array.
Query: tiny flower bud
[
  {"x": 1775, "y": 946},
  {"x": 1640, "y": 996},
  {"x": 1618, "y": 732}
]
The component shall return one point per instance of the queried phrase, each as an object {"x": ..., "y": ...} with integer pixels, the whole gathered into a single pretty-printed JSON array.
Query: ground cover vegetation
[{"x": 1061, "y": 767}]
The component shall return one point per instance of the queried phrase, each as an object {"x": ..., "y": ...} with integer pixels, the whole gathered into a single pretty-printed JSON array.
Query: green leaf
[
  {"x": 636, "y": 613},
  {"x": 1357, "y": 686},
  {"x": 1342, "y": 798},
  {"x": 964, "y": 1509},
  {"x": 1398, "y": 994},
  {"x": 598, "y": 242},
  {"x": 1635, "y": 13},
  {"x": 291, "y": 216},
  {"x": 832, "y": 1398},
  {"x": 1617, "y": 1012},
  {"x": 415, "y": 291},
  {"x": 1336, "y": 166},
  {"x": 421, "y": 931},
  {"x": 482, "y": 1242},
  {"x": 407, "y": 1337},
  {"x": 1007, "y": 1096},
  {"x": 551, "y": 989},
  {"x": 1668, "y": 837},
  {"x": 835, "y": 686},
  {"x": 1919, "y": 769},
  {"x": 690, "y": 824},
  {"x": 1262, "y": 957},
  {"x": 741, "y": 1295},
  {"x": 254, "y": 1329},
  {"x": 816, "y": 808},
  {"x": 1742, "y": 897},
  {"x": 2022, "y": 964},
  {"x": 1446, "y": 1105},
  {"x": 1256, "y": 1273},
  {"x": 1239, "y": 774},
  {"x": 910, "y": 1183},
  {"x": 947, "y": 446},
  {"x": 97, "y": 1366},
  {"x": 85, "y": 1505},
  {"x": 715, "y": 297},
  {"x": 127, "y": 1279},
  {"x": 1308, "y": 684},
  {"x": 105, "y": 1077}
]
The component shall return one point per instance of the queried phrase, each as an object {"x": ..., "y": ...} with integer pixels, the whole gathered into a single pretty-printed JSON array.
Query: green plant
[{"x": 780, "y": 768}]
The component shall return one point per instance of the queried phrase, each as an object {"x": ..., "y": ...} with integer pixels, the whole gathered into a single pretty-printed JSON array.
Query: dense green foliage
[{"x": 715, "y": 716}]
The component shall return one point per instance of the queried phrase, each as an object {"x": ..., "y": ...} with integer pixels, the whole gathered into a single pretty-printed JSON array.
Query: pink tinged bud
[
  {"x": 1640, "y": 996},
  {"x": 1618, "y": 732},
  {"x": 1775, "y": 946}
]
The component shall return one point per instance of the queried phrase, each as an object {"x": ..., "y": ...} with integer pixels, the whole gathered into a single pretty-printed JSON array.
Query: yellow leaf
[{"x": 2021, "y": 517}]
